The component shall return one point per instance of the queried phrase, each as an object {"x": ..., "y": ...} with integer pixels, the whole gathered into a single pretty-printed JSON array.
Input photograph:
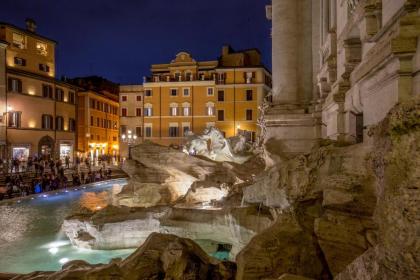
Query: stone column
[
  {"x": 285, "y": 51},
  {"x": 325, "y": 19}
]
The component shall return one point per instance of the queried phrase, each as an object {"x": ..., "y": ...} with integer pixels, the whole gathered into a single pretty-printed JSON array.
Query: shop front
[
  {"x": 21, "y": 152},
  {"x": 66, "y": 150}
]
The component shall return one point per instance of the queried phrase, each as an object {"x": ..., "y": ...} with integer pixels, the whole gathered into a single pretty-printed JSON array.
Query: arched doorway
[{"x": 46, "y": 147}]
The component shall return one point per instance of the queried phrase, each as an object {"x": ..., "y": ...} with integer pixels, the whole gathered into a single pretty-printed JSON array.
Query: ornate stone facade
[{"x": 341, "y": 67}]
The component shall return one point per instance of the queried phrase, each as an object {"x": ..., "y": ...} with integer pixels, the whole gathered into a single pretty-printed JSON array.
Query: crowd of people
[{"x": 43, "y": 175}]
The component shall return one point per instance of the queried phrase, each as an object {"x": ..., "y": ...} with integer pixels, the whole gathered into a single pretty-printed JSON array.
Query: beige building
[
  {"x": 38, "y": 115},
  {"x": 339, "y": 67},
  {"x": 131, "y": 117}
]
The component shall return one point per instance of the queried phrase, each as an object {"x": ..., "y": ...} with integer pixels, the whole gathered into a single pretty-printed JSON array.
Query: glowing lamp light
[
  {"x": 98, "y": 207},
  {"x": 123, "y": 136},
  {"x": 135, "y": 137},
  {"x": 9, "y": 108},
  {"x": 31, "y": 124},
  {"x": 238, "y": 126}
]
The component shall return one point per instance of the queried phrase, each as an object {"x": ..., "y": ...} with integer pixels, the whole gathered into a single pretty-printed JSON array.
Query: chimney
[
  {"x": 227, "y": 49},
  {"x": 30, "y": 25}
]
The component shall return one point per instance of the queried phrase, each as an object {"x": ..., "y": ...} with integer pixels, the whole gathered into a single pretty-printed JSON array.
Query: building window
[
  {"x": 72, "y": 125},
  {"x": 98, "y": 137},
  {"x": 13, "y": 119},
  {"x": 173, "y": 111},
  {"x": 221, "y": 78},
  {"x": 59, "y": 123},
  {"x": 123, "y": 129},
  {"x": 41, "y": 48},
  {"x": 178, "y": 76},
  {"x": 187, "y": 111},
  {"x": 124, "y": 98},
  {"x": 139, "y": 131},
  {"x": 220, "y": 115},
  {"x": 173, "y": 131},
  {"x": 249, "y": 115},
  {"x": 174, "y": 92},
  {"x": 138, "y": 97},
  {"x": 92, "y": 103},
  {"x": 185, "y": 130},
  {"x": 14, "y": 85},
  {"x": 148, "y": 112},
  {"x": 201, "y": 76},
  {"x": 59, "y": 94},
  {"x": 210, "y": 91},
  {"x": 248, "y": 77},
  {"x": 44, "y": 68},
  {"x": 97, "y": 122},
  {"x": 18, "y": 40},
  {"x": 72, "y": 97},
  {"x": 124, "y": 112},
  {"x": 148, "y": 131},
  {"x": 20, "y": 61},
  {"x": 138, "y": 112},
  {"x": 186, "y": 92},
  {"x": 47, "y": 91},
  {"x": 188, "y": 76},
  {"x": 148, "y": 92},
  {"x": 210, "y": 110},
  {"x": 47, "y": 122},
  {"x": 249, "y": 95},
  {"x": 220, "y": 96},
  {"x": 114, "y": 138},
  {"x": 91, "y": 120}
]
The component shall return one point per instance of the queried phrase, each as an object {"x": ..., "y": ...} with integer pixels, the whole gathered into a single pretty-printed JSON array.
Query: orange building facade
[
  {"x": 188, "y": 96},
  {"x": 38, "y": 112},
  {"x": 98, "y": 124}
]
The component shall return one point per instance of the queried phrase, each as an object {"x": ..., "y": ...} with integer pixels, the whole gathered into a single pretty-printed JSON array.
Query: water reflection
[{"x": 30, "y": 237}]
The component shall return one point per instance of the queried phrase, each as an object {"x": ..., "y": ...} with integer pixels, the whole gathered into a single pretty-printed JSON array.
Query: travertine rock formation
[
  {"x": 359, "y": 203},
  {"x": 160, "y": 257},
  {"x": 340, "y": 212}
]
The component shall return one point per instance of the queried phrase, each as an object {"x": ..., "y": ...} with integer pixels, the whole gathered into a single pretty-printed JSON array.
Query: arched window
[
  {"x": 178, "y": 77},
  {"x": 188, "y": 76}
]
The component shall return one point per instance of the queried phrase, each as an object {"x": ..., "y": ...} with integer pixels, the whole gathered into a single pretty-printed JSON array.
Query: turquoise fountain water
[{"x": 30, "y": 237}]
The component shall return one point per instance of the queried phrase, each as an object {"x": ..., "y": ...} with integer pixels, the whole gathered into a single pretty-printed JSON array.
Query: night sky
[{"x": 119, "y": 40}]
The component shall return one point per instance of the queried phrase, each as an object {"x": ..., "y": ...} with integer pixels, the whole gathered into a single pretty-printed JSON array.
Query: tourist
[{"x": 67, "y": 161}]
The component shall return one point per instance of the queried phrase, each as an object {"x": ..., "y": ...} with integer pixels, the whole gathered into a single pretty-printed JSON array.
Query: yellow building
[
  {"x": 186, "y": 95},
  {"x": 38, "y": 115},
  {"x": 98, "y": 124}
]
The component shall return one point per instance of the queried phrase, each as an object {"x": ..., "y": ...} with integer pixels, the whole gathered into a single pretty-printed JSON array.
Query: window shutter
[{"x": 9, "y": 84}]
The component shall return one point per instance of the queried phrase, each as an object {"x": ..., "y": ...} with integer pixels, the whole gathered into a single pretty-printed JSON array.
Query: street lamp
[{"x": 130, "y": 139}]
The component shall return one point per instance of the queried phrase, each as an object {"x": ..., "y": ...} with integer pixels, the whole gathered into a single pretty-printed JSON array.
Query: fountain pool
[{"x": 30, "y": 237}]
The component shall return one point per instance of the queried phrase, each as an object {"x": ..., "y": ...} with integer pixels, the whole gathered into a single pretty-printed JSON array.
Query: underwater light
[
  {"x": 63, "y": 260},
  {"x": 53, "y": 250}
]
